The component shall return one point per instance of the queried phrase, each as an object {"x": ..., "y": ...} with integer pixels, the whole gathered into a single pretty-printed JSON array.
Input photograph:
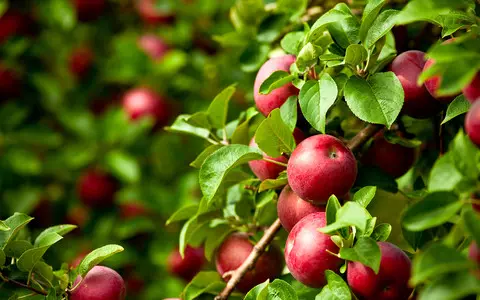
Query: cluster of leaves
[
  {"x": 340, "y": 70},
  {"x": 20, "y": 255}
]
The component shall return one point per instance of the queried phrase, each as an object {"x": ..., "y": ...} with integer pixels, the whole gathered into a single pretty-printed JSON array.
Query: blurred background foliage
[{"x": 64, "y": 69}]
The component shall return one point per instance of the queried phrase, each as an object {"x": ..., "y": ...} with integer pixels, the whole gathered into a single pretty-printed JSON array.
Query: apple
[
  {"x": 80, "y": 61},
  {"x": 390, "y": 283},
  {"x": 152, "y": 15},
  {"x": 134, "y": 283},
  {"x": 267, "y": 170},
  {"x": 142, "y": 101},
  {"x": 472, "y": 90},
  {"x": 418, "y": 101},
  {"x": 291, "y": 208},
  {"x": 275, "y": 99},
  {"x": 306, "y": 251},
  {"x": 14, "y": 23},
  {"x": 472, "y": 123},
  {"x": 130, "y": 210},
  {"x": 100, "y": 283},
  {"x": 10, "y": 83},
  {"x": 393, "y": 159},
  {"x": 89, "y": 10},
  {"x": 474, "y": 253},
  {"x": 320, "y": 166},
  {"x": 234, "y": 251},
  {"x": 96, "y": 189},
  {"x": 154, "y": 46},
  {"x": 43, "y": 214},
  {"x": 189, "y": 266}
]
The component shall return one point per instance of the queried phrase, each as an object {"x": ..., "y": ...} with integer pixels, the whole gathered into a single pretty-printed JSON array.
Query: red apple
[
  {"x": 141, "y": 102},
  {"x": 474, "y": 253},
  {"x": 390, "y": 283},
  {"x": 101, "y": 283},
  {"x": 154, "y": 46},
  {"x": 472, "y": 123},
  {"x": 267, "y": 103},
  {"x": 234, "y": 251},
  {"x": 268, "y": 170},
  {"x": 96, "y": 189},
  {"x": 14, "y": 23},
  {"x": 306, "y": 251},
  {"x": 472, "y": 90},
  {"x": 393, "y": 159},
  {"x": 130, "y": 210},
  {"x": 80, "y": 61},
  {"x": 10, "y": 83},
  {"x": 43, "y": 214},
  {"x": 291, "y": 208},
  {"x": 418, "y": 101},
  {"x": 189, "y": 266},
  {"x": 135, "y": 283},
  {"x": 89, "y": 10},
  {"x": 151, "y": 14},
  {"x": 320, "y": 166}
]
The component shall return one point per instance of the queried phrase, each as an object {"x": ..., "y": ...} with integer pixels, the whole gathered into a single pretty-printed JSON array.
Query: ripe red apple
[
  {"x": 320, "y": 166},
  {"x": 101, "y": 283},
  {"x": 43, "y": 214},
  {"x": 390, "y": 283},
  {"x": 96, "y": 189},
  {"x": 393, "y": 159},
  {"x": 474, "y": 252},
  {"x": 306, "y": 251},
  {"x": 89, "y": 10},
  {"x": 418, "y": 101},
  {"x": 268, "y": 170},
  {"x": 141, "y": 102},
  {"x": 130, "y": 210},
  {"x": 472, "y": 90},
  {"x": 291, "y": 208},
  {"x": 472, "y": 123},
  {"x": 134, "y": 283},
  {"x": 80, "y": 61},
  {"x": 189, "y": 266},
  {"x": 14, "y": 23},
  {"x": 150, "y": 14},
  {"x": 233, "y": 252},
  {"x": 154, "y": 46},
  {"x": 10, "y": 83},
  {"x": 267, "y": 103}
]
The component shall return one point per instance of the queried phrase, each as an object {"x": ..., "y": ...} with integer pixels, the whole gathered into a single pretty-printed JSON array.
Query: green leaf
[
  {"x": 29, "y": 258},
  {"x": 463, "y": 150},
  {"x": 435, "y": 209},
  {"x": 273, "y": 136},
  {"x": 254, "y": 55},
  {"x": 123, "y": 166},
  {"x": 2, "y": 258},
  {"x": 292, "y": 42},
  {"x": 365, "y": 195},
  {"x": 380, "y": 27},
  {"x": 218, "y": 109},
  {"x": 381, "y": 232},
  {"x": 258, "y": 292},
  {"x": 453, "y": 286},
  {"x": 316, "y": 98},
  {"x": 428, "y": 10},
  {"x": 271, "y": 184},
  {"x": 288, "y": 112},
  {"x": 308, "y": 56},
  {"x": 336, "y": 288},
  {"x": 97, "y": 256},
  {"x": 199, "y": 119},
  {"x": 274, "y": 81},
  {"x": 471, "y": 221},
  {"x": 198, "y": 162},
  {"x": 60, "y": 13},
  {"x": 180, "y": 125},
  {"x": 279, "y": 289},
  {"x": 377, "y": 100},
  {"x": 454, "y": 21},
  {"x": 457, "y": 107},
  {"x": 4, "y": 226},
  {"x": 3, "y": 7},
  {"x": 444, "y": 175},
  {"x": 216, "y": 167},
  {"x": 435, "y": 261},
  {"x": 215, "y": 237},
  {"x": 355, "y": 55},
  {"x": 366, "y": 251},
  {"x": 266, "y": 208},
  {"x": 271, "y": 27},
  {"x": 333, "y": 205},
  {"x": 17, "y": 248},
  {"x": 295, "y": 8},
  {"x": 15, "y": 223},
  {"x": 183, "y": 213},
  {"x": 350, "y": 214},
  {"x": 203, "y": 282},
  {"x": 44, "y": 271},
  {"x": 340, "y": 12},
  {"x": 58, "y": 229},
  {"x": 370, "y": 13}
]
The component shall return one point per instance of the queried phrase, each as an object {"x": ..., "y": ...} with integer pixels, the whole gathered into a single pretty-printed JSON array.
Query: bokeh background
[{"x": 66, "y": 134}]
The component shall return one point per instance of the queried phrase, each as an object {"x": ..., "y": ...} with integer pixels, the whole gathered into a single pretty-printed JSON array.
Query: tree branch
[
  {"x": 22, "y": 285},
  {"x": 354, "y": 144}
]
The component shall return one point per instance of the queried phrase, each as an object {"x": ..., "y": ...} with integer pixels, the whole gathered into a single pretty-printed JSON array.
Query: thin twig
[
  {"x": 236, "y": 276},
  {"x": 17, "y": 283}
]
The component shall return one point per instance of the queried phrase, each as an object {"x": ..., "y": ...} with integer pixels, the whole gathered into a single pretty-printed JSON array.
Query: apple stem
[
  {"x": 354, "y": 144},
  {"x": 275, "y": 162}
]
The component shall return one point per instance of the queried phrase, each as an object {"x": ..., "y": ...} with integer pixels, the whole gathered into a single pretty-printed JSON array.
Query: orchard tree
[{"x": 375, "y": 200}]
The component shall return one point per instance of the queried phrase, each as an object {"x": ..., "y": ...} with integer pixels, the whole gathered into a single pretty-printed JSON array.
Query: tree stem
[
  {"x": 22, "y": 285},
  {"x": 354, "y": 144}
]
